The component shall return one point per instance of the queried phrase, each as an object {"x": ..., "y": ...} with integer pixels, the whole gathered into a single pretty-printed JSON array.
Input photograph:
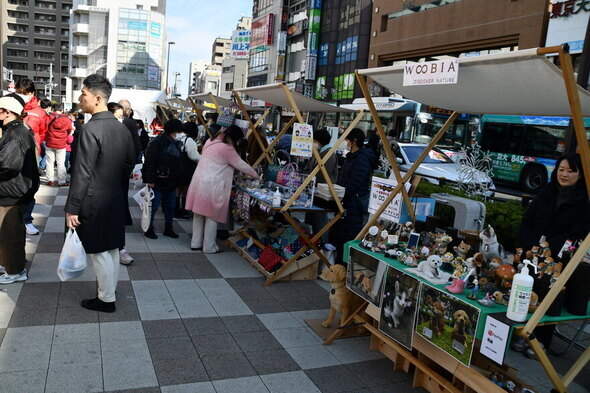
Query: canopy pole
[
  {"x": 573, "y": 97},
  {"x": 407, "y": 176},
  {"x": 200, "y": 116},
  {"x": 274, "y": 142},
  {"x": 160, "y": 119},
  {"x": 172, "y": 110},
  {"x": 388, "y": 152},
  {"x": 251, "y": 127}
]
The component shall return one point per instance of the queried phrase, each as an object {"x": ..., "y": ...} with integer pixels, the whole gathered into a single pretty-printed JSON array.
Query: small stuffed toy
[{"x": 462, "y": 250}]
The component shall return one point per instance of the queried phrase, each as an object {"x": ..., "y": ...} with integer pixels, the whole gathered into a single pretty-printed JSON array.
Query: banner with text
[
  {"x": 441, "y": 72},
  {"x": 302, "y": 142},
  {"x": 380, "y": 189}
]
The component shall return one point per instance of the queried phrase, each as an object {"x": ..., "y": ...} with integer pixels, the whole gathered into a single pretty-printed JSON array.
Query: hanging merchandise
[
  {"x": 280, "y": 159},
  {"x": 290, "y": 177}
]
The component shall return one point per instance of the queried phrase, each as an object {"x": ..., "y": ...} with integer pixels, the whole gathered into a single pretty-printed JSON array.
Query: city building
[
  {"x": 234, "y": 75},
  {"x": 345, "y": 31},
  {"x": 125, "y": 42},
  {"x": 35, "y": 37},
  {"x": 196, "y": 68},
  {"x": 210, "y": 80},
  {"x": 220, "y": 50},
  {"x": 245, "y": 23},
  {"x": 425, "y": 30}
]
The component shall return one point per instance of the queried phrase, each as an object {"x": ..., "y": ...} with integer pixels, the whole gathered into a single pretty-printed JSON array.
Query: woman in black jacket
[
  {"x": 355, "y": 177},
  {"x": 560, "y": 212},
  {"x": 160, "y": 172},
  {"x": 19, "y": 181}
]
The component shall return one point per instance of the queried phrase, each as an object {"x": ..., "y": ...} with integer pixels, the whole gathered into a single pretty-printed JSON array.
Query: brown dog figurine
[
  {"x": 437, "y": 323},
  {"x": 341, "y": 299}
]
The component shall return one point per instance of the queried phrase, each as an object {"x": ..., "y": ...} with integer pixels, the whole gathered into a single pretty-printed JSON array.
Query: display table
[
  {"x": 435, "y": 370},
  {"x": 293, "y": 269}
]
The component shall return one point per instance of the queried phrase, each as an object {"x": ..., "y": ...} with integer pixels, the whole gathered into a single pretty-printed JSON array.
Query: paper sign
[
  {"x": 494, "y": 340},
  {"x": 441, "y": 72},
  {"x": 380, "y": 189},
  {"x": 302, "y": 141}
]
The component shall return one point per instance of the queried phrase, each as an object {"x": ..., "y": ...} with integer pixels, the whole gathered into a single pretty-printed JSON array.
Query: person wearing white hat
[{"x": 19, "y": 181}]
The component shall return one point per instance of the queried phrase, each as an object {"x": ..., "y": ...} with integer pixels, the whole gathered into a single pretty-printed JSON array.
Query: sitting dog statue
[
  {"x": 490, "y": 247},
  {"x": 430, "y": 267},
  {"x": 341, "y": 299}
]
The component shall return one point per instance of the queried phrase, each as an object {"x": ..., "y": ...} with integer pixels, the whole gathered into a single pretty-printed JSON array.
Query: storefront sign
[
  {"x": 310, "y": 67},
  {"x": 568, "y": 24},
  {"x": 495, "y": 340},
  {"x": 380, "y": 190},
  {"x": 262, "y": 31},
  {"x": 441, "y": 72},
  {"x": 280, "y": 75},
  {"x": 240, "y": 44},
  {"x": 302, "y": 140},
  {"x": 565, "y": 8}
]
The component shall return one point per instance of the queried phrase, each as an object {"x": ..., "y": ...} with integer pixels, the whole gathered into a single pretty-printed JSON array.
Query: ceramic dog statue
[
  {"x": 490, "y": 247},
  {"x": 341, "y": 298},
  {"x": 430, "y": 267}
]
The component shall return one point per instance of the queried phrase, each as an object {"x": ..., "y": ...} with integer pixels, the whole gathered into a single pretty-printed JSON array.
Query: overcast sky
[{"x": 193, "y": 25}]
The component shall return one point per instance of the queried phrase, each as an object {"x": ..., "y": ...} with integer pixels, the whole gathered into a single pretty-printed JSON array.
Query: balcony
[
  {"x": 79, "y": 51},
  {"x": 79, "y": 73},
  {"x": 80, "y": 28}
]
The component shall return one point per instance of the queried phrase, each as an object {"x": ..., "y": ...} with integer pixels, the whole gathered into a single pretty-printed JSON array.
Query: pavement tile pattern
[{"x": 185, "y": 322}]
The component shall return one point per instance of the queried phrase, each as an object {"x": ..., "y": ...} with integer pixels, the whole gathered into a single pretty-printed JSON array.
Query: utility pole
[{"x": 50, "y": 81}]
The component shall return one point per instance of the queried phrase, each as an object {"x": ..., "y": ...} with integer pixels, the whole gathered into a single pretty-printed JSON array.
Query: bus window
[
  {"x": 543, "y": 141},
  {"x": 515, "y": 139},
  {"x": 494, "y": 137}
]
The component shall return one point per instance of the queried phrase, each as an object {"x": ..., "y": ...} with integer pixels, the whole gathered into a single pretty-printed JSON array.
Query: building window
[
  {"x": 42, "y": 67},
  {"x": 259, "y": 61},
  {"x": 65, "y": 32},
  {"x": 17, "y": 27},
  {"x": 212, "y": 85},
  {"x": 45, "y": 30},
  {"x": 66, "y": 7},
  {"x": 18, "y": 14},
  {"x": 18, "y": 2},
  {"x": 65, "y": 19},
  {"x": 45, "y": 18},
  {"x": 44, "y": 55},
  {"x": 18, "y": 40},
  {"x": 414, "y": 9},
  {"x": 17, "y": 52},
  {"x": 17, "y": 66},
  {"x": 45, "y": 4},
  {"x": 259, "y": 6},
  {"x": 45, "y": 43},
  {"x": 229, "y": 86}
]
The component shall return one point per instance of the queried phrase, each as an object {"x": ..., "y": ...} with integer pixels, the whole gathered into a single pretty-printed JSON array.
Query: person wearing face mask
[
  {"x": 56, "y": 141},
  {"x": 160, "y": 172},
  {"x": 355, "y": 177},
  {"x": 560, "y": 212},
  {"x": 36, "y": 119},
  {"x": 19, "y": 181}
]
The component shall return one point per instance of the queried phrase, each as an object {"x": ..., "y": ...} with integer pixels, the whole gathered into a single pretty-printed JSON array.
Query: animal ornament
[{"x": 490, "y": 247}]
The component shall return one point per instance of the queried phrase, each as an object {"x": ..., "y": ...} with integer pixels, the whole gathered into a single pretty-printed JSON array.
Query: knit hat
[
  {"x": 13, "y": 103},
  {"x": 172, "y": 126}
]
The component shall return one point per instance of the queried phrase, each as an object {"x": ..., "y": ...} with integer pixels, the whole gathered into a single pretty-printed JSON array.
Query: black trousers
[{"x": 12, "y": 238}]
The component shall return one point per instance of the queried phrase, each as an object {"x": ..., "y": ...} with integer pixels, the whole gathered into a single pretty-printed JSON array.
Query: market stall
[
  {"x": 291, "y": 268},
  {"x": 516, "y": 83}
]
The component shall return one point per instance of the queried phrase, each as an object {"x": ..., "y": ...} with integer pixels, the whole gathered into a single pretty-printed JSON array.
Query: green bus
[{"x": 524, "y": 149}]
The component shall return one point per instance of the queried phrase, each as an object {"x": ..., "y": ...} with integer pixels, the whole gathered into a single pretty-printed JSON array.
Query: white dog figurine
[
  {"x": 490, "y": 247},
  {"x": 430, "y": 267}
]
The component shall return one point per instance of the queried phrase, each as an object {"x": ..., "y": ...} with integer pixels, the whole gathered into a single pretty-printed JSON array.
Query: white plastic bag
[
  {"x": 144, "y": 200},
  {"x": 137, "y": 175},
  {"x": 72, "y": 260}
]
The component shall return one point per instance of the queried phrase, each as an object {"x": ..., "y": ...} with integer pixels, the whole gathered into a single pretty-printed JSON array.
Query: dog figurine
[
  {"x": 490, "y": 247},
  {"x": 430, "y": 267},
  {"x": 437, "y": 323},
  {"x": 341, "y": 298},
  {"x": 462, "y": 250}
]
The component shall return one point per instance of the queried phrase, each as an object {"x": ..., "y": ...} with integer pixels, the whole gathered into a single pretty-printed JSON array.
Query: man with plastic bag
[
  {"x": 96, "y": 200},
  {"x": 19, "y": 181}
]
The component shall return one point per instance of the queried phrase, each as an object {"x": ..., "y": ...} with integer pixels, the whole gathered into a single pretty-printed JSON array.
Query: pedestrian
[
  {"x": 355, "y": 177},
  {"x": 36, "y": 119},
  {"x": 124, "y": 258},
  {"x": 189, "y": 157},
  {"x": 129, "y": 122},
  {"x": 209, "y": 192},
  {"x": 160, "y": 172},
  {"x": 45, "y": 104},
  {"x": 144, "y": 139},
  {"x": 96, "y": 200},
  {"x": 56, "y": 140},
  {"x": 19, "y": 181}
]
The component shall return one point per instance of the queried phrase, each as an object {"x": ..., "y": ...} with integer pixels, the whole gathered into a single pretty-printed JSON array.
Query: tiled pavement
[{"x": 185, "y": 322}]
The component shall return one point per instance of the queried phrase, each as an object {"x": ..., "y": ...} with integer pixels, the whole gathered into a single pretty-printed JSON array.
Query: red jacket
[
  {"x": 36, "y": 119},
  {"x": 58, "y": 129}
]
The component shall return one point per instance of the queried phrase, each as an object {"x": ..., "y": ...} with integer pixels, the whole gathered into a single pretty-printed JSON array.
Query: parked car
[{"x": 438, "y": 168}]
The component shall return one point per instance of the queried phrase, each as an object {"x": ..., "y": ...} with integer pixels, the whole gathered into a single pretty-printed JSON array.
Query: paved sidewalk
[{"x": 185, "y": 322}]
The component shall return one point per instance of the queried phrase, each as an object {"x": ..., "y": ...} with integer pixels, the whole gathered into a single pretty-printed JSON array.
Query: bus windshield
[{"x": 427, "y": 126}]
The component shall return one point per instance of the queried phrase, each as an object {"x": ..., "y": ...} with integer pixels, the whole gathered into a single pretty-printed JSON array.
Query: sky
[{"x": 193, "y": 25}]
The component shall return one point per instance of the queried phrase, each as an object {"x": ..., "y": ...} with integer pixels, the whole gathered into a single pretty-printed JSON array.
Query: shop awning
[
  {"x": 180, "y": 103},
  {"x": 224, "y": 102},
  {"x": 275, "y": 94},
  {"x": 513, "y": 83}
]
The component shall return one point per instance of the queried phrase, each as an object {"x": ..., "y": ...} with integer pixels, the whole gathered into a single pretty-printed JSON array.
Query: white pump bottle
[{"x": 520, "y": 294}]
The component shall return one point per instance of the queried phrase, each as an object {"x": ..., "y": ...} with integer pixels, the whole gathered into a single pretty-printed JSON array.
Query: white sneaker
[
  {"x": 2, "y": 269},
  {"x": 124, "y": 257},
  {"x": 31, "y": 229},
  {"x": 10, "y": 278}
]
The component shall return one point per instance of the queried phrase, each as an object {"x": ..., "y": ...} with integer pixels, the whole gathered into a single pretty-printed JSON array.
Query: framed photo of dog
[
  {"x": 365, "y": 276},
  {"x": 447, "y": 322},
  {"x": 399, "y": 306}
]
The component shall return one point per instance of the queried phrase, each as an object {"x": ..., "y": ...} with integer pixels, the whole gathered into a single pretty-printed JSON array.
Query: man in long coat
[{"x": 96, "y": 201}]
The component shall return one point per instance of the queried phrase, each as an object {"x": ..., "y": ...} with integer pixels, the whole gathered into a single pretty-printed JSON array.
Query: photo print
[
  {"x": 365, "y": 276},
  {"x": 399, "y": 306},
  {"x": 447, "y": 322}
]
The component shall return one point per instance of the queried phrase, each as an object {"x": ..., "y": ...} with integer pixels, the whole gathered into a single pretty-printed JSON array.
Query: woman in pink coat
[{"x": 210, "y": 188}]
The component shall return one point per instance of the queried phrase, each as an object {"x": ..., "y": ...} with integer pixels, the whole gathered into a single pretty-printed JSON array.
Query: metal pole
[
  {"x": 168, "y": 63},
  {"x": 50, "y": 81}
]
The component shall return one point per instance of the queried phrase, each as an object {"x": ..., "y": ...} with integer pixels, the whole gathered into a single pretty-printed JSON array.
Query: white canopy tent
[
  {"x": 513, "y": 83},
  {"x": 220, "y": 101},
  {"x": 142, "y": 102},
  {"x": 275, "y": 94}
]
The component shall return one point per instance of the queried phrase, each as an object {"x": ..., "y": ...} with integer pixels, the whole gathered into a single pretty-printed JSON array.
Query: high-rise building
[
  {"x": 125, "y": 41},
  {"x": 234, "y": 70},
  {"x": 35, "y": 39},
  {"x": 196, "y": 69},
  {"x": 220, "y": 50}
]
